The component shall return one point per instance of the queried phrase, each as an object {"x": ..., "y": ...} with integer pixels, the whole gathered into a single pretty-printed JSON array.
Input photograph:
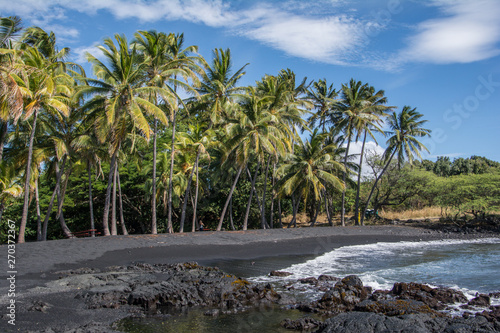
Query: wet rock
[
  {"x": 212, "y": 312},
  {"x": 493, "y": 315},
  {"x": 310, "y": 280},
  {"x": 170, "y": 287},
  {"x": 481, "y": 300},
  {"x": 412, "y": 323},
  {"x": 435, "y": 298},
  {"x": 394, "y": 307},
  {"x": 323, "y": 278},
  {"x": 279, "y": 273},
  {"x": 302, "y": 324},
  {"x": 39, "y": 306},
  {"x": 343, "y": 296}
]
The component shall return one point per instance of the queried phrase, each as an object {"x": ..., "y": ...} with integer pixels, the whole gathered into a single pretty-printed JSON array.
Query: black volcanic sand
[{"x": 37, "y": 263}]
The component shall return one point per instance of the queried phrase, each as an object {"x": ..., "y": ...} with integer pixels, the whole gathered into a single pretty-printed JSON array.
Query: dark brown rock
[
  {"x": 436, "y": 298},
  {"x": 302, "y": 324},
  {"x": 280, "y": 273},
  {"x": 481, "y": 300}
]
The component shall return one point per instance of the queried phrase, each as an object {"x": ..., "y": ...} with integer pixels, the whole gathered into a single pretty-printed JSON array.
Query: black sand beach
[{"x": 38, "y": 263}]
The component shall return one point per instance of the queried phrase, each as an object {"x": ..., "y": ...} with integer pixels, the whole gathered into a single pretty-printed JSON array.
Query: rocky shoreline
[
  {"x": 142, "y": 290},
  {"x": 86, "y": 285}
]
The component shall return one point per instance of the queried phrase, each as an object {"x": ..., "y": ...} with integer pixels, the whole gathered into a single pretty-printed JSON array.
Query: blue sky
[{"x": 440, "y": 56}]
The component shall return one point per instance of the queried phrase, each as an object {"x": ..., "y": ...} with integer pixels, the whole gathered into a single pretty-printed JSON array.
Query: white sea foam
[{"x": 449, "y": 263}]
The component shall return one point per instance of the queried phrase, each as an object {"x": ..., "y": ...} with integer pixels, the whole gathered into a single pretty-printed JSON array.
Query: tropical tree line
[
  {"x": 159, "y": 138},
  {"x": 473, "y": 193}
]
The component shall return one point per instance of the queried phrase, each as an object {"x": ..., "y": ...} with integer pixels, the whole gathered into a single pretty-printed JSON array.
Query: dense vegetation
[
  {"x": 122, "y": 150},
  {"x": 472, "y": 191}
]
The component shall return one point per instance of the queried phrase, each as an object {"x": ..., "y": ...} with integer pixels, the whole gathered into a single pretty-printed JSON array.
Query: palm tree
[
  {"x": 46, "y": 88},
  {"x": 370, "y": 120},
  {"x": 153, "y": 46},
  {"x": 309, "y": 169},
  {"x": 324, "y": 98},
  {"x": 358, "y": 105},
  {"x": 197, "y": 139},
  {"x": 185, "y": 65},
  {"x": 219, "y": 86},
  {"x": 165, "y": 60},
  {"x": 252, "y": 134},
  {"x": 11, "y": 98},
  {"x": 118, "y": 102},
  {"x": 406, "y": 127},
  {"x": 286, "y": 108},
  {"x": 9, "y": 187}
]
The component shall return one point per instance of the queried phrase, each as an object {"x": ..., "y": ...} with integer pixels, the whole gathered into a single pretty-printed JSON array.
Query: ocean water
[{"x": 470, "y": 266}]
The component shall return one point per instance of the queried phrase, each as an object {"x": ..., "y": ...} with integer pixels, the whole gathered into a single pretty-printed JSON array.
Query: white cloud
[
  {"x": 328, "y": 31},
  {"x": 328, "y": 39},
  {"x": 371, "y": 149},
  {"x": 469, "y": 32},
  {"x": 78, "y": 54}
]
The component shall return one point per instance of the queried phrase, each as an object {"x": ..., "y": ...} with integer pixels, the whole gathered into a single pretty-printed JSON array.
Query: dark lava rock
[
  {"x": 343, "y": 296},
  {"x": 481, "y": 300},
  {"x": 310, "y": 280},
  {"x": 39, "y": 306},
  {"x": 156, "y": 287},
  {"x": 394, "y": 307},
  {"x": 323, "y": 277},
  {"x": 279, "y": 273},
  {"x": 435, "y": 298},
  {"x": 302, "y": 324},
  {"x": 493, "y": 315},
  {"x": 412, "y": 323}
]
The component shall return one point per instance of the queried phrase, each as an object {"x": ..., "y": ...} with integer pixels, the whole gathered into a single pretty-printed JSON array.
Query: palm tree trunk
[
  {"x": 154, "y": 228},
  {"x": 172, "y": 154},
  {"x": 256, "y": 195},
  {"x": 327, "y": 209},
  {"x": 27, "y": 175},
  {"x": 193, "y": 225},
  {"x": 188, "y": 188},
  {"x": 263, "y": 211},
  {"x": 120, "y": 202},
  {"x": 356, "y": 214},
  {"x": 247, "y": 213},
  {"x": 114, "y": 231},
  {"x": 195, "y": 199},
  {"x": 295, "y": 208},
  {"x": 52, "y": 199},
  {"x": 91, "y": 204},
  {"x": 342, "y": 210},
  {"x": 105, "y": 224},
  {"x": 223, "y": 214},
  {"x": 279, "y": 213},
  {"x": 374, "y": 185},
  {"x": 3, "y": 135},
  {"x": 318, "y": 206},
  {"x": 2, "y": 207},
  {"x": 231, "y": 214},
  {"x": 271, "y": 217},
  {"x": 38, "y": 214},
  {"x": 60, "y": 201}
]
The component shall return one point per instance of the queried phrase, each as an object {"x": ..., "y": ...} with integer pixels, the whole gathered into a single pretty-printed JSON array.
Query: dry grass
[
  {"x": 432, "y": 213},
  {"x": 427, "y": 212}
]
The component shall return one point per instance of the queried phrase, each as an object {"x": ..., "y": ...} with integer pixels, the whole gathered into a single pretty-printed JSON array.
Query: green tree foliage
[{"x": 81, "y": 143}]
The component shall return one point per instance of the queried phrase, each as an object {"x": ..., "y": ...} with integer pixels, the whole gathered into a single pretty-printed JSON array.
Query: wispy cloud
[
  {"x": 468, "y": 32},
  {"x": 78, "y": 54},
  {"x": 328, "y": 39},
  {"x": 328, "y": 31}
]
